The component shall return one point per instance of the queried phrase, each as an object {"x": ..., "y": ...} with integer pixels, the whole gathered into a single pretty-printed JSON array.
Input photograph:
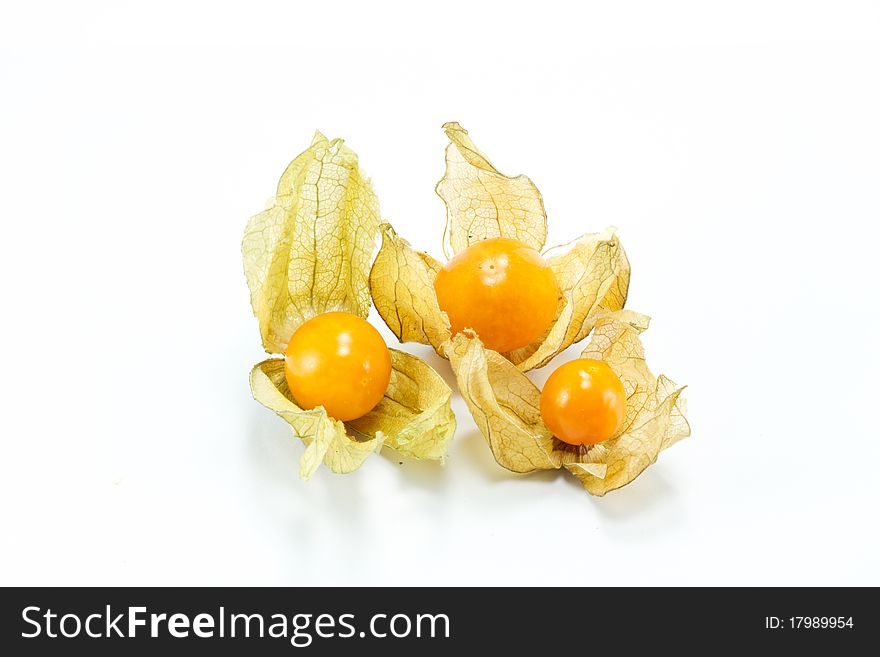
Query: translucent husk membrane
[{"x": 309, "y": 253}]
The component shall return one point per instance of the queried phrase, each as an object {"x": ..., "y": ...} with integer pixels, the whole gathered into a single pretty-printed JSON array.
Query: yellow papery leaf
[
  {"x": 631, "y": 452},
  {"x": 481, "y": 202},
  {"x": 310, "y": 251},
  {"x": 402, "y": 284},
  {"x": 326, "y": 439},
  {"x": 415, "y": 416},
  {"x": 505, "y": 405}
]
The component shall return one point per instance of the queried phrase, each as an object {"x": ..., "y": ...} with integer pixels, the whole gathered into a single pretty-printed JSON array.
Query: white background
[{"x": 735, "y": 145}]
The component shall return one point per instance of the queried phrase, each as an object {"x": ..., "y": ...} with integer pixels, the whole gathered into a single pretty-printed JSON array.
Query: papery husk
[{"x": 506, "y": 407}]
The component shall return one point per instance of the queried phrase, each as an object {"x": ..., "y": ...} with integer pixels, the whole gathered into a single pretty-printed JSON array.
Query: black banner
[{"x": 431, "y": 621}]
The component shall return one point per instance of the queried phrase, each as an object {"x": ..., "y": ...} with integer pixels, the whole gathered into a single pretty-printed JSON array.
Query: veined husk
[
  {"x": 505, "y": 405},
  {"x": 308, "y": 253}
]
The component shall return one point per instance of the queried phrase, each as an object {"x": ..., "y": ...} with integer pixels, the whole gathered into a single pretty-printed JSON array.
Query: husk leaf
[
  {"x": 506, "y": 407},
  {"x": 414, "y": 417},
  {"x": 481, "y": 202},
  {"x": 402, "y": 285},
  {"x": 310, "y": 251}
]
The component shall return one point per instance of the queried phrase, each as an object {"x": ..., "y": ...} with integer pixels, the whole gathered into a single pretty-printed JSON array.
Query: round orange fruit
[
  {"x": 500, "y": 288},
  {"x": 339, "y": 361}
]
